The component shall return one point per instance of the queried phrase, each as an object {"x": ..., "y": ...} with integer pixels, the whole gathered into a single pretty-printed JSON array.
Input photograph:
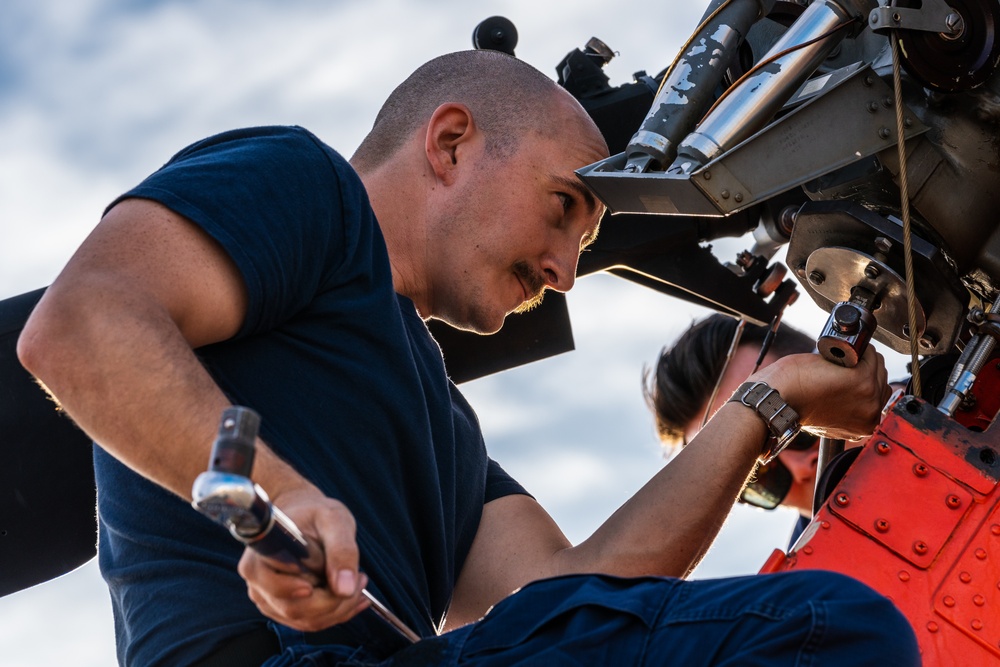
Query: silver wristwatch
[{"x": 781, "y": 419}]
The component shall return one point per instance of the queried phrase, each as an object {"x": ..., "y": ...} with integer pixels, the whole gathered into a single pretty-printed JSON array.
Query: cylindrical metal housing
[
  {"x": 687, "y": 93},
  {"x": 748, "y": 107}
]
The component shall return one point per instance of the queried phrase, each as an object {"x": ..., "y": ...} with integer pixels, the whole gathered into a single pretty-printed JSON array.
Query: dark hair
[
  {"x": 687, "y": 372},
  {"x": 504, "y": 94}
]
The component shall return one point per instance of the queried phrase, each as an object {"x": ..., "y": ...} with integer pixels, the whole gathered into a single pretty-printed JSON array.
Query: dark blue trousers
[{"x": 804, "y": 618}]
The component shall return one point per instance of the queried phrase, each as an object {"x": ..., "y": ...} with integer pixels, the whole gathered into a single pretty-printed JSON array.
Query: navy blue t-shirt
[{"x": 350, "y": 386}]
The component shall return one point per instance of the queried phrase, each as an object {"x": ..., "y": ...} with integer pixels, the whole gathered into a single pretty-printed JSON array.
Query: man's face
[{"x": 512, "y": 228}]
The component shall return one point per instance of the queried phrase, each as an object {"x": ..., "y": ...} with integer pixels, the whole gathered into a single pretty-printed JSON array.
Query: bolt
[
  {"x": 631, "y": 168},
  {"x": 883, "y": 244},
  {"x": 882, "y": 526},
  {"x": 976, "y": 624},
  {"x": 965, "y": 577},
  {"x": 872, "y": 272},
  {"x": 883, "y": 448},
  {"x": 738, "y": 197},
  {"x": 884, "y": 132},
  {"x": 920, "y": 547},
  {"x": 872, "y": 106},
  {"x": 807, "y": 551},
  {"x": 932, "y": 626},
  {"x": 904, "y": 576},
  {"x": 920, "y": 470},
  {"x": 786, "y": 220},
  {"x": 948, "y": 601},
  {"x": 887, "y": 102},
  {"x": 995, "y": 529},
  {"x": 843, "y": 499},
  {"x": 954, "y": 502},
  {"x": 896, "y": 18},
  {"x": 817, "y": 278},
  {"x": 869, "y": 80},
  {"x": 981, "y": 554},
  {"x": 928, "y": 340},
  {"x": 708, "y": 175},
  {"x": 978, "y": 600},
  {"x": 955, "y": 25},
  {"x": 725, "y": 194},
  {"x": 907, "y": 122}
]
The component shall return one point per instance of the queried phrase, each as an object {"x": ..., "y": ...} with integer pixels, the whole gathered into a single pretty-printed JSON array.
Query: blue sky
[{"x": 95, "y": 94}]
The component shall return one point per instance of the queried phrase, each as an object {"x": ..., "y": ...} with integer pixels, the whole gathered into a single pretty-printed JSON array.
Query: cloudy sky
[{"x": 95, "y": 94}]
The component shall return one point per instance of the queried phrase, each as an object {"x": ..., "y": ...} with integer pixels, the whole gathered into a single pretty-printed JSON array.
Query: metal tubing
[
  {"x": 749, "y": 106},
  {"x": 687, "y": 92},
  {"x": 828, "y": 449},
  {"x": 963, "y": 376}
]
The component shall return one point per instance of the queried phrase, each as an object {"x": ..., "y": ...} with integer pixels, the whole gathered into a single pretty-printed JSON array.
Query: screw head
[{"x": 817, "y": 278}]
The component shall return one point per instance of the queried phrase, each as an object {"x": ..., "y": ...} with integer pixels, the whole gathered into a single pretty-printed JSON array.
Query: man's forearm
[{"x": 669, "y": 524}]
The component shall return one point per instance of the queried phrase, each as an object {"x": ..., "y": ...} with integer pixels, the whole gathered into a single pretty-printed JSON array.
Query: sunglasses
[{"x": 772, "y": 482}]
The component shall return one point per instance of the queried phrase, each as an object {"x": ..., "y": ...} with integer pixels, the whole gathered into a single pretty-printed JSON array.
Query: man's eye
[{"x": 567, "y": 200}]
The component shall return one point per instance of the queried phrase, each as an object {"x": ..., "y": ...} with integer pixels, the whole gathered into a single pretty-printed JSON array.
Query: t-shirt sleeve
[
  {"x": 275, "y": 200},
  {"x": 500, "y": 484}
]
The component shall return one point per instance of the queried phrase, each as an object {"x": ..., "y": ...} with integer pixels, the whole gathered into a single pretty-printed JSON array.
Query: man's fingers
[{"x": 274, "y": 576}]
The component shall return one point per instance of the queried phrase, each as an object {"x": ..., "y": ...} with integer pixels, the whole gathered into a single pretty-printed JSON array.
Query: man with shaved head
[{"x": 260, "y": 268}]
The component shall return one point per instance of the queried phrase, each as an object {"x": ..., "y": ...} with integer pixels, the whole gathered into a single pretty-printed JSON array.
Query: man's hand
[
  {"x": 328, "y": 590},
  {"x": 831, "y": 400}
]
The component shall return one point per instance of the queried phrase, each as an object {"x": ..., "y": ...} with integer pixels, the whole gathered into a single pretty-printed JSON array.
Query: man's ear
[{"x": 449, "y": 133}]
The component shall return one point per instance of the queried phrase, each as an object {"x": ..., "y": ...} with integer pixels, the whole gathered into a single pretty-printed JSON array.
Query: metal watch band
[{"x": 781, "y": 419}]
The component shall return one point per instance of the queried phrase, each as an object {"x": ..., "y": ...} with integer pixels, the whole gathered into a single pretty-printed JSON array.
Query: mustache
[{"x": 534, "y": 282}]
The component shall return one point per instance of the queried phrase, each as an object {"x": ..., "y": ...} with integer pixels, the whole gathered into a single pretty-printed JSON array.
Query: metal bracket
[{"x": 933, "y": 16}]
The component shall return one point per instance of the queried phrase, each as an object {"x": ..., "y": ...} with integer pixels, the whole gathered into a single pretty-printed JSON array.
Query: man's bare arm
[
  {"x": 668, "y": 525},
  {"x": 113, "y": 340}
]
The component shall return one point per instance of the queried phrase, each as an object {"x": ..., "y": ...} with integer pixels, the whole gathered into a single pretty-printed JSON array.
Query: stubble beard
[{"x": 534, "y": 284}]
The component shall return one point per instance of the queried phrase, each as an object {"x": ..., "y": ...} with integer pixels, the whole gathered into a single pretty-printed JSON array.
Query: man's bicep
[
  {"x": 517, "y": 542},
  {"x": 144, "y": 249}
]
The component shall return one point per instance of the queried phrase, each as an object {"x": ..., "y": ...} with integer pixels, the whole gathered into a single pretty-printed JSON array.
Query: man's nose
[{"x": 559, "y": 270}]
